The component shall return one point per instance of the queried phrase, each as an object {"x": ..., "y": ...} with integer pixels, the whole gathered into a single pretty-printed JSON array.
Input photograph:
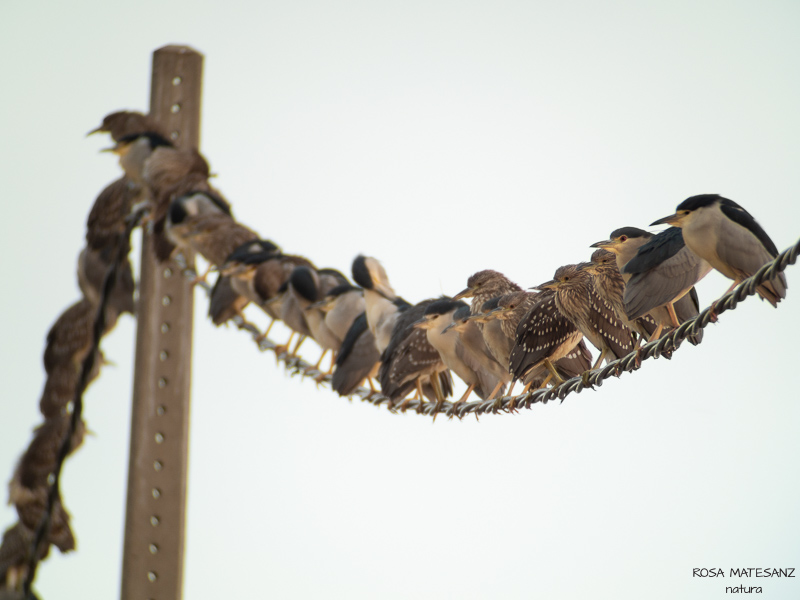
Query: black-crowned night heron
[
  {"x": 92, "y": 268},
  {"x": 344, "y": 308},
  {"x": 382, "y": 303},
  {"x": 106, "y": 221},
  {"x": 485, "y": 285},
  {"x": 462, "y": 350},
  {"x": 649, "y": 286},
  {"x": 522, "y": 314},
  {"x": 729, "y": 239},
  {"x": 69, "y": 341},
  {"x": 198, "y": 221},
  {"x": 609, "y": 285},
  {"x": 225, "y": 303},
  {"x": 358, "y": 358},
  {"x": 576, "y": 299},
  {"x": 341, "y": 306},
  {"x": 410, "y": 362},
  {"x": 126, "y": 122},
  {"x": 259, "y": 271},
  {"x": 308, "y": 286}
]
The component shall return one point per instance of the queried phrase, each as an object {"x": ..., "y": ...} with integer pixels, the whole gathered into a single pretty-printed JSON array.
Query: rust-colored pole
[{"x": 155, "y": 519}]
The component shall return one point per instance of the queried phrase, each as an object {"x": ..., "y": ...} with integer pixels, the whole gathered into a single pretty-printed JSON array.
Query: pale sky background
[{"x": 442, "y": 138}]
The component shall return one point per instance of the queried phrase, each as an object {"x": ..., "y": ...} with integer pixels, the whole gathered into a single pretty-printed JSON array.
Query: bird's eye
[
  {"x": 566, "y": 278},
  {"x": 623, "y": 238}
]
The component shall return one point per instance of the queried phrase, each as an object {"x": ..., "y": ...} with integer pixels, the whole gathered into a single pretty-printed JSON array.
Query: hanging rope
[{"x": 629, "y": 363}]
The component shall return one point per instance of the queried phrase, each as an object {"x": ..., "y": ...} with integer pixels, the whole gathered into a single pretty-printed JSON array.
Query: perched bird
[
  {"x": 106, "y": 221},
  {"x": 462, "y": 351},
  {"x": 93, "y": 265},
  {"x": 410, "y": 362},
  {"x": 649, "y": 287},
  {"x": 381, "y": 301},
  {"x": 309, "y": 286},
  {"x": 341, "y": 306},
  {"x": 576, "y": 299},
  {"x": 260, "y": 271},
  {"x": 358, "y": 358},
  {"x": 70, "y": 338},
  {"x": 610, "y": 287},
  {"x": 230, "y": 295},
  {"x": 198, "y": 222},
  {"x": 485, "y": 285},
  {"x": 485, "y": 288},
  {"x": 545, "y": 336},
  {"x": 225, "y": 302},
  {"x": 729, "y": 239}
]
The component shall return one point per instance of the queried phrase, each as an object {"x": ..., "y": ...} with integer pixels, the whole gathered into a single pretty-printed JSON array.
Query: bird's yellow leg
[
  {"x": 553, "y": 372},
  {"x": 299, "y": 343},
  {"x": 281, "y": 348},
  {"x": 673, "y": 317},
  {"x": 600, "y": 359}
]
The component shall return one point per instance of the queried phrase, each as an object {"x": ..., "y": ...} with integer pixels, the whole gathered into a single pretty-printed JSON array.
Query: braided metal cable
[
  {"x": 99, "y": 326},
  {"x": 667, "y": 343}
]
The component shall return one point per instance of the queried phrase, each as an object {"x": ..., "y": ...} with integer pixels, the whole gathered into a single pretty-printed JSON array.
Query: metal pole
[{"x": 155, "y": 520}]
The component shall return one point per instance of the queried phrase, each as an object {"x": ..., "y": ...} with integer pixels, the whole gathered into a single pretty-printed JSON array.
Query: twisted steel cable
[{"x": 109, "y": 280}]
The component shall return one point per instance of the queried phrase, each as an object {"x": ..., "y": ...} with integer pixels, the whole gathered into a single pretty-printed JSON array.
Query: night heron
[
  {"x": 576, "y": 299},
  {"x": 381, "y": 301},
  {"x": 341, "y": 306},
  {"x": 358, "y": 358},
  {"x": 409, "y": 362},
  {"x": 729, "y": 238},
  {"x": 649, "y": 287},
  {"x": 126, "y": 122},
  {"x": 610, "y": 286},
  {"x": 308, "y": 286},
  {"x": 106, "y": 221},
  {"x": 522, "y": 311},
  {"x": 199, "y": 222},
  {"x": 462, "y": 354},
  {"x": 93, "y": 265},
  {"x": 259, "y": 271}
]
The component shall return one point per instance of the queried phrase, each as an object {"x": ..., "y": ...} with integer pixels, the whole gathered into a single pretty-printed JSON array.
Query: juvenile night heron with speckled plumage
[
  {"x": 462, "y": 350},
  {"x": 527, "y": 321},
  {"x": 610, "y": 286},
  {"x": 656, "y": 271},
  {"x": 729, "y": 239},
  {"x": 410, "y": 363},
  {"x": 576, "y": 299}
]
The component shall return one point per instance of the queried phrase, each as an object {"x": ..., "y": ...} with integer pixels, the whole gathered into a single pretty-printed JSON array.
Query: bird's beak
[
  {"x": 449, "y": 327},
  {"x": 321, "y": 304},
  {"x": 547, "y": 285},
  {"x": 605, "y": 244},
  {"x": 421, "y": 324},
  {"x": 465, "y": 293},
  {"x": 673, "y": 219},
  {"x": 96, "y": 130}
]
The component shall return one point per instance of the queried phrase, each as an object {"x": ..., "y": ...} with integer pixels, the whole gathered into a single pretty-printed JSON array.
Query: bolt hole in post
[
  {"x": 159, "y": 438},
  {"x": 175, "y": 108},
  {"x": 175, "y": 135},
  {"x": 176, "y": 80},
  {"x": 152, "y": 576}
]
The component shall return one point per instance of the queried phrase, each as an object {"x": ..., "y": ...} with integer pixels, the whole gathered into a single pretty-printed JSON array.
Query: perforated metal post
[{"x": 152, "y": 566}]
